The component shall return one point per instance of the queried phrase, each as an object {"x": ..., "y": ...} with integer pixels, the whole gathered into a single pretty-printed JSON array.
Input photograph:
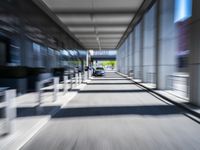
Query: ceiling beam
[
  {"x": 103, "y": 24},
  {"x": 138, "y": 16},
  {"x": 96, "y": 11},
  {"x": 97, "y": 48},
  {"x": 91, "y": 33}
]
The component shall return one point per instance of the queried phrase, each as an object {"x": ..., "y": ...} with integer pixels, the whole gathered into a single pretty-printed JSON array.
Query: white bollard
[
  {"x": 88, "y": 74},
  {"x": 65, "y": 84},
  {"x": 10, "y": 113},
  {"x": 71, "y": 82},
  {"x": 85, "y": 75},
  {"x": 55, "y": 88},
  {"x": 80, "y": 77},
  {"x": 76, "y": 79},
  {"x": 39, "y": 92}
]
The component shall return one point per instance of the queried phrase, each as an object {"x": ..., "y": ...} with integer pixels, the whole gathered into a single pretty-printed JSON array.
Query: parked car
[{"x": 99, "y": 71}]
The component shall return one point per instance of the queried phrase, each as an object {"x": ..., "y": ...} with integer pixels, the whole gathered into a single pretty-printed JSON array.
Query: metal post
[{"x": 55, "y": 85}]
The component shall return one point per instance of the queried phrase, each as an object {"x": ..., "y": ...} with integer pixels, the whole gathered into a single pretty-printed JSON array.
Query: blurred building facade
[{"x": 33, "y": 46}]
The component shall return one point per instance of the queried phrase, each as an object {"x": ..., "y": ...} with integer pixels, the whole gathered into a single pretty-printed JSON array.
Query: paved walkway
[
  {"x": 111, "y": 113},
  {"x": 30, "y": 118}
]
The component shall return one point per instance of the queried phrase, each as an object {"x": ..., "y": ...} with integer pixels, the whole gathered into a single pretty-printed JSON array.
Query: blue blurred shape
[{"x": 183, "y": 10}]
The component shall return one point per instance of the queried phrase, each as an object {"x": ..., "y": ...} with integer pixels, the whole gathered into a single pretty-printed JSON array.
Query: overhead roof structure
[{"x": 97, "y": 24}]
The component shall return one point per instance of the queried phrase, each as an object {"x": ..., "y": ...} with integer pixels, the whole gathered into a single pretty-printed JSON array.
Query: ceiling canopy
[{"x": 98, "y": 24}]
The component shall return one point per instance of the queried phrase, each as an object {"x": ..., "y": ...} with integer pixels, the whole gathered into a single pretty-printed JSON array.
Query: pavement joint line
[
  {"x": 46, "y": 121},
  {"x": 36, "y": 129},
  {"x": 72, "y": 96},
  {"x": 183, "y": 106}
]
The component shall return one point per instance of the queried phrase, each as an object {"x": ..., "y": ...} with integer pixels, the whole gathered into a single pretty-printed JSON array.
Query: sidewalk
[
  {"x": 169, "y": 96},
  {"x": 113, "y": 115},
  {"x": 31, "y": 118}
]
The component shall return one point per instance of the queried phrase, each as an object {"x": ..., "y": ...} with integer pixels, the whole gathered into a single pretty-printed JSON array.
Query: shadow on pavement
[
  {"x": 152, "y": 110},
  {"x": 113, "y": 91},
  {"x": 100, "y": 79},
  {"x": 110, "y": 83},
  {"x": 36, "y": 111}
]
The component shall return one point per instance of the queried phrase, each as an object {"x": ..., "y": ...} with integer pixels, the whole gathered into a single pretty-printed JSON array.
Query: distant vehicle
[
  {"x": 87, "y": 68},
  {"x": 99, "y": 71}
]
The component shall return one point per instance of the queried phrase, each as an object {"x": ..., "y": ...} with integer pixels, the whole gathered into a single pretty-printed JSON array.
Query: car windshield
[{"x": 99, "y": 68}]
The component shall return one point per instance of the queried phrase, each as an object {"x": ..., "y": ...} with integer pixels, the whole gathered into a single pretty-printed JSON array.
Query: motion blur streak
[{"x": 99, "y": 74}]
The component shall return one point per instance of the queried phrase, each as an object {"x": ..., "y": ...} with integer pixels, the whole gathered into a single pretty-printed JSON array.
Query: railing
[
  {"x": 131, "y": 73},
  {"x": 77, "y": 79},
  {"x": 69, "y": 81},
  {"x": 138, "y": 75},
  {"x": 7, "y": 110},
  {"x": 41, "y": 88},
  {"x": 179, "y": 83},
  {"x": 151, "y": 77}
]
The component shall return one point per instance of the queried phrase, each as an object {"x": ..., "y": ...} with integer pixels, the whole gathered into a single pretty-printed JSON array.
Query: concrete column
[
  {"x": 87, "y": 58},
  {"x": 149, "y": 46},
  {"x": 138, "y": 51},
  {"x": 166, "y": 43},
  {"x": 117, "y": 60},
  {"x": 141, "y": 49},
  {"x": 127, "y": 56},
  {"x": 194, "y": 64},
  {"x": 123, "y": 64},
  {"x": 130, "y": 52},
  {"x": 123, "y": 53},
  {"x": 133, "y": 49},
  {"x": 120, "y": 60}
]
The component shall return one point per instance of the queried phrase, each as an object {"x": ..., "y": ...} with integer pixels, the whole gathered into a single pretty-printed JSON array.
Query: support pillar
[
  {"x": 149, "y": 46},
  {"x": 194, "y": 64},
  {"x": 138, "y": 58},
  {"x": 166, "y": 43}
]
